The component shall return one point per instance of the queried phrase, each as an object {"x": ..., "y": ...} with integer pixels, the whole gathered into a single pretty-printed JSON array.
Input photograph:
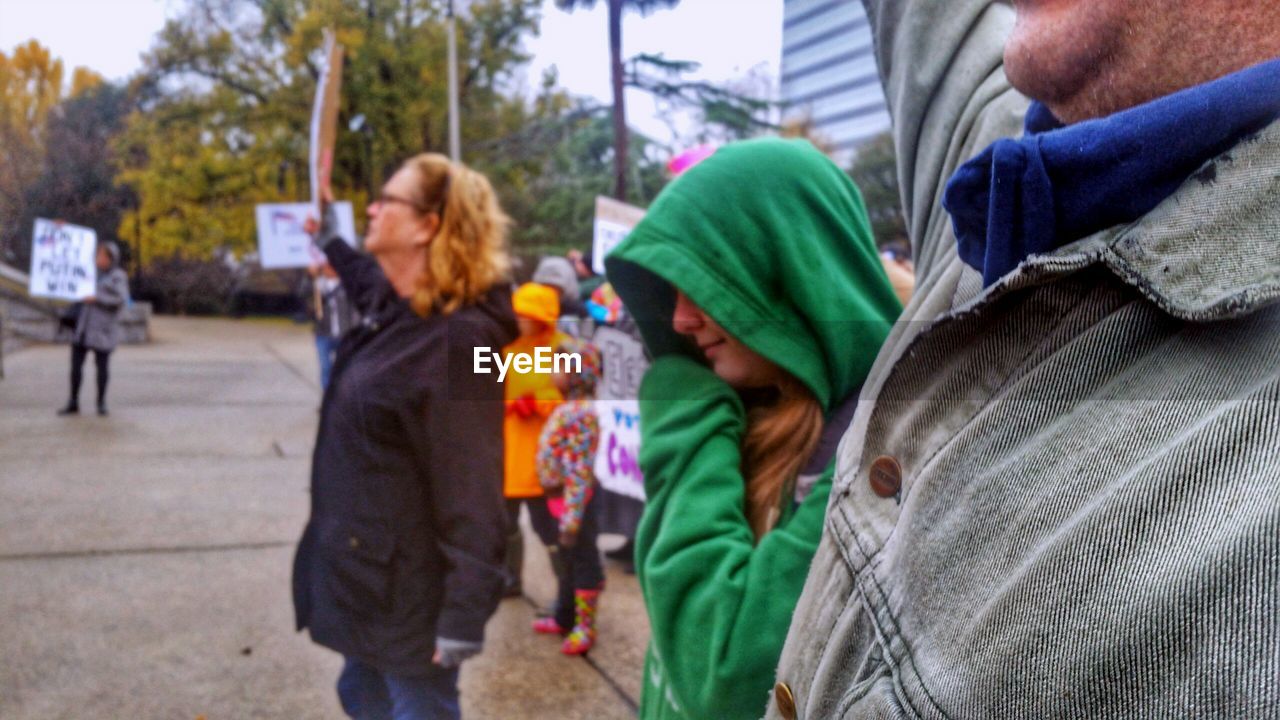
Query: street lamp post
[
  {"x": 360, "y": 124},
  {"x": 455, "y": 138}
]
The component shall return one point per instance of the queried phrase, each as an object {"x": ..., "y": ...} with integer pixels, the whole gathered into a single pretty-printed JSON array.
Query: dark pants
[
  {"x": 544, "y": 525},
  {"x": 579, "y": 567},
  {"x": 101, "y": 359},
  {"x": 367, "y": 693},
  {"x": 326, "y": 351}
]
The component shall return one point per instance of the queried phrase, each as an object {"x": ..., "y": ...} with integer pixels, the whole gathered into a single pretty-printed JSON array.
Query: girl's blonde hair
[
  {"x": 468, "y": 255},
  {"x": 781, "y": 435}
]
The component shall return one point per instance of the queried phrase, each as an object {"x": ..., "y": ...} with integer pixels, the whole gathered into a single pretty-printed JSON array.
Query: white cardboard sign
[
  {"x": 324, "y": 117},
  {"x": 282, "y": 241},
  {"x": 613, "y": 221},
  {"x": 62, "y": 261},
  {"x": 618, "y": 453}
]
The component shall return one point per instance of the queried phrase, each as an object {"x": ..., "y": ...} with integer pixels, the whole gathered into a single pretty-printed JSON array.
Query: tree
[
  {"x": 739, "y": 115},
  {"x": 875, "y": 172},
  {"x": 30, "y": 87},
  {"x": 227, "y": 100},
  {"x": 44, "y": 129},
  {"x": 804, "y": 128},
  {"x": 78, "y": 182},
  {"x": 551, "y": 191},
  {"x": 617, "y": 75}
]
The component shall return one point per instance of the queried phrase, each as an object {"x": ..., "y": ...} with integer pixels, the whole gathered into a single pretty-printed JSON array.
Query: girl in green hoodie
[{"x": 756, "y": 285}]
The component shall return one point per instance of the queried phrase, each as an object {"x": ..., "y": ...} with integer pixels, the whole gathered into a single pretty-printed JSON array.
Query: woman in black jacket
[{"x": 400, "y": 564}]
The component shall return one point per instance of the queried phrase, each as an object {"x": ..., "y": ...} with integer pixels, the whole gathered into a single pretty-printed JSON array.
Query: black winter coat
[{"x": 406, "y": 537}]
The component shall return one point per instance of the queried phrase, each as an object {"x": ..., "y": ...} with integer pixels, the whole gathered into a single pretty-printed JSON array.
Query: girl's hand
[
  {"x": 524, "y": 406},
  {"x": 568, "y": 539}
]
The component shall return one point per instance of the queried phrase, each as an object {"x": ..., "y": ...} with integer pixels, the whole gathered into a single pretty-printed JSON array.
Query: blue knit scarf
[{"x": 1056, "y": 184}]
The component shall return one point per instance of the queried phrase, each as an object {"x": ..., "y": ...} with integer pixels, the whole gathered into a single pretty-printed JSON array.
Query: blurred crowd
[{"x": 1031, "y": 472}]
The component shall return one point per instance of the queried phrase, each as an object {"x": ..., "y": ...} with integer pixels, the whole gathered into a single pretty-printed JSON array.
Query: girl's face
[
  {"x": 734, "y": 362},
  {"x": 530, "y": 327},
  {"x": 396, "y": 223},
  {"x": 103, "y": 260},
  {"x": 561, "y": 381}
]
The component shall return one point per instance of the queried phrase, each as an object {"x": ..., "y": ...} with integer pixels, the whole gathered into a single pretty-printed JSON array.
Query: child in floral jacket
[{"x": 565, "y": 461}]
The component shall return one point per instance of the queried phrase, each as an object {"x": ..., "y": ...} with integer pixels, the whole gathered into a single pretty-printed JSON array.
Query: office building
[{"x": 829, "y": 75}]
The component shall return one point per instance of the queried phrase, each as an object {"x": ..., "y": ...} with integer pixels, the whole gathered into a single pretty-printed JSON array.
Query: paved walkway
[{"x": 145, "y": 558}]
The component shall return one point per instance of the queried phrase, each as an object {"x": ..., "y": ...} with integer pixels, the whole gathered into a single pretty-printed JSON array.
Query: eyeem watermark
[{"x": 541, "y": 362}]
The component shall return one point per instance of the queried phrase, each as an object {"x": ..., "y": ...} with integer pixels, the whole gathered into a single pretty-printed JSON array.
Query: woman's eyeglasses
[{"x": 388, "y": 199}]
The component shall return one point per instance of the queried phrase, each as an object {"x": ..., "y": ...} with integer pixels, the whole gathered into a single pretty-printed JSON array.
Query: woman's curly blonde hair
[{"x": 468, "y": 255}]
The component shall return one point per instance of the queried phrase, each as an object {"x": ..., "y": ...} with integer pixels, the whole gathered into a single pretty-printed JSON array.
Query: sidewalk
[{"x": 145, "y": 558}]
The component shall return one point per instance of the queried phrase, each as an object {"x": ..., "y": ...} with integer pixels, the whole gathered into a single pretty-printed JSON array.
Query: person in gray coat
[
  {"x": 97, "y": 327},
  {"x": 558, "y": 273}
]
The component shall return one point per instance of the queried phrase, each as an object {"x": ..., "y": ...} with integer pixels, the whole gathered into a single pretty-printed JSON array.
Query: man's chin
[
  {"x": 1060, "y": 51},
  {"x": 1059, "y": 80}
]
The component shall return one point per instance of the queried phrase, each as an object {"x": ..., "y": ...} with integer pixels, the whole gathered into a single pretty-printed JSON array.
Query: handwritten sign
[
  {"x": 613, "y": 221},
  {"x": 624, "y": 364},
  {"x": 62, "y": 261},
  {"x": 618, "y": 454},
  {"x": 282, "y": 241}
]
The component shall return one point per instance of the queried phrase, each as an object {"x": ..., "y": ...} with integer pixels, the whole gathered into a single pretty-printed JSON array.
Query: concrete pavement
[{"x": 145, "y": 558}]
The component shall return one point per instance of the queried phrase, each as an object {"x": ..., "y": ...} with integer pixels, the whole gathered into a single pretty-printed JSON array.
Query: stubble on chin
[
  {"x": 1091, "y": 58},
  {"x": 1066, "y": 58}
]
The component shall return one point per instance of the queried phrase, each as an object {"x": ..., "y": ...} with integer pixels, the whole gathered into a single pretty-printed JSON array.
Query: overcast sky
[{"x": 733, "y": 39}]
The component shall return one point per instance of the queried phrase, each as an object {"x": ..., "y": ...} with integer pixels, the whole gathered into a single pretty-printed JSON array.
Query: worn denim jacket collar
[{"x": 1210, "y": 251}]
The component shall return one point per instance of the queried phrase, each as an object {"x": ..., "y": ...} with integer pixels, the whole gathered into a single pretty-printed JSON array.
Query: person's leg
[
  {"x": 588, "y": 572},
  {"x": 588, "y": 581},
  {"x": 363, "y": 693},
  {"x": 102, "y": 361},
  {"x": 545, "y": 525},
  {"x": 515, "y": 549},
  {"x": 433, "y": 696},
  {"x": 564, "y": 612},
  {"x": 560, "y": 619},
  {"x": 78, "y": 354},
  {"x": 619, "y": 515},
  {"x": 325, "y": 347}
]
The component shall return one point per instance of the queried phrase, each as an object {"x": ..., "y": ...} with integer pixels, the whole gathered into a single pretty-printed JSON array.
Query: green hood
[{"x": 771, "y": 240}]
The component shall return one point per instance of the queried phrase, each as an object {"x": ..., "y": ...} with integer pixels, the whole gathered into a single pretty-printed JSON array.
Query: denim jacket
[{"x": 1060, "y": 495}]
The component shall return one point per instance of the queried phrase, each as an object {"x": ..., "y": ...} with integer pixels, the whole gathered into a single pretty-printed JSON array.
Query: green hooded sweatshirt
[{"x": 771, "y": 240}]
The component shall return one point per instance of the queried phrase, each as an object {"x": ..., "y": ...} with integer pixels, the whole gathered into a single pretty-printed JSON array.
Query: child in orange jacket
[{"x": 531, "y": 396}]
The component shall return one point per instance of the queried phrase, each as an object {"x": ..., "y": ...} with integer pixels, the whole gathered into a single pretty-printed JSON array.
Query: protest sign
[
  {"x": 282, "y": 241},
  {"x": 613, "y": 221},
  {"x": 324, "y": 116},
  {"x": 624, "y": 364},
  {"x": 617, "y": 455},
  {"x": 62, "y": 261}
]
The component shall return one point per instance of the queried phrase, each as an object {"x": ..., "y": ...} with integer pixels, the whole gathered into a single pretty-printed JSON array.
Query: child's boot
[
  {"x": 583, "y": 635},
  {"x": 548, "y": 626}
]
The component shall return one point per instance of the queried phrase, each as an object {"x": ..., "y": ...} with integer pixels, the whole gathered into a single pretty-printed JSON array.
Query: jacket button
[
  {"x": 354, "y": 542},
  {"x": 785, "y": 700},
  {"x": 886, "y": 477}
]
